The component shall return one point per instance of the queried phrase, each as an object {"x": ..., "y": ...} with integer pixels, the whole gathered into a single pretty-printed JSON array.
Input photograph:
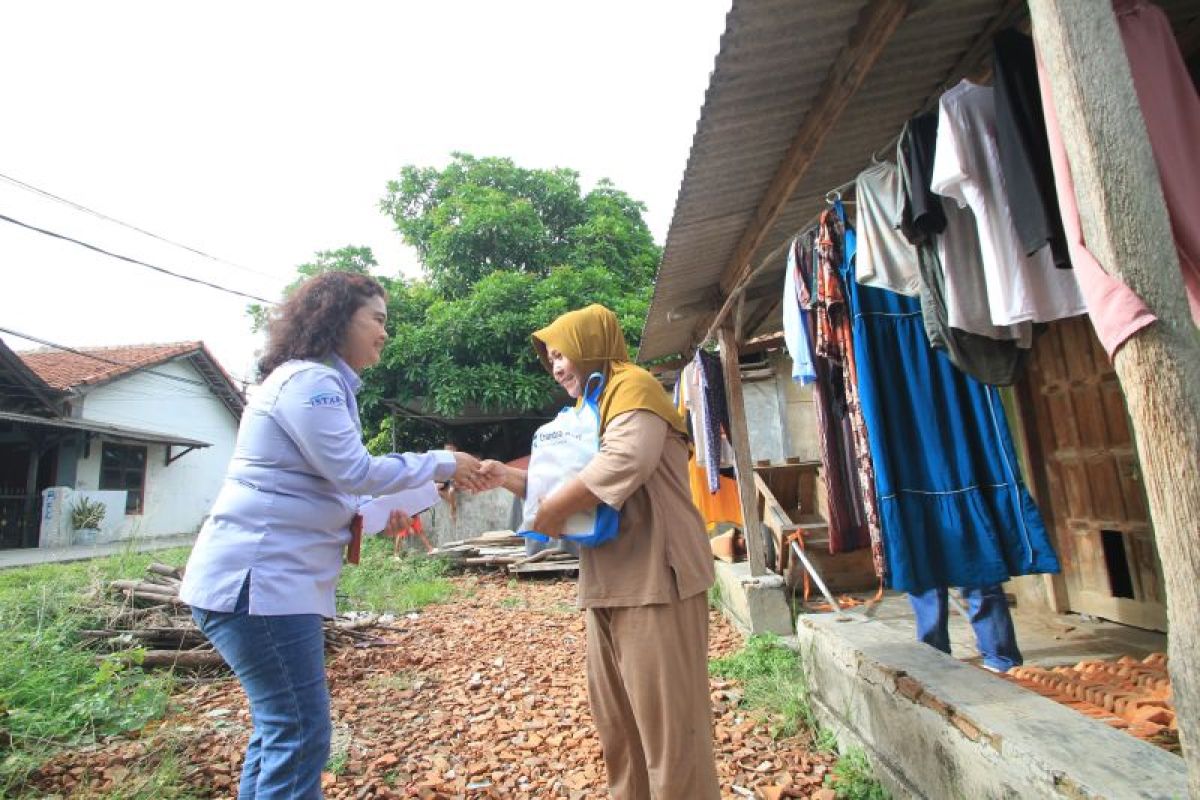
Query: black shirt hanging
[
  {"x": 919, "y": 144},
  {"x": 1023, "y": 149}
]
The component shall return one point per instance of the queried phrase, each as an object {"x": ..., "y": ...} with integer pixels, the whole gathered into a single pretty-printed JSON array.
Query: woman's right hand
[
  {"x": 496, "y": 473},
  {"x": 492, "y": 473},
  {"x": 466, "y": 471}
]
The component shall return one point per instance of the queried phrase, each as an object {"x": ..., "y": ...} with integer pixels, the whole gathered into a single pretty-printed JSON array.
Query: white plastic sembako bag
[{"x": 561, "y": 449}]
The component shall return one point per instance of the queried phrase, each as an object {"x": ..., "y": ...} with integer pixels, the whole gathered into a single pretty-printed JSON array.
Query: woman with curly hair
[{"x": 262, "y": 574}]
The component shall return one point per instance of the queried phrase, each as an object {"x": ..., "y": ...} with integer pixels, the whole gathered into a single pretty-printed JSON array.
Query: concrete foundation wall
[
  {"x": 753, "y": 605},
  {"x": 936, "y": 728},
  {"x": 474, "y": 514}
]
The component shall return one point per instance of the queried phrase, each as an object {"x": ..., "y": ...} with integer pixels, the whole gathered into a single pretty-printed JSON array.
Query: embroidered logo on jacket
[{"x": 328, "y": 399}]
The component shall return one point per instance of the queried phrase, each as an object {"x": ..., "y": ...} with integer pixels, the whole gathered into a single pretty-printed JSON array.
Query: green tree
[{"x": 506, "y": 249}]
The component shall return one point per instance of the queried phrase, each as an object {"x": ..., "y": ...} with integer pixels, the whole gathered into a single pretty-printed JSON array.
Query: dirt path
[{"x": 482, "y": 697}]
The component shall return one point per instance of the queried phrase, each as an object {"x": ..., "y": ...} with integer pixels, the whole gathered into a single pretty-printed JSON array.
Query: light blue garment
[
  {"x": 298, "y": 473},
  {"x": 795, "y": 324}
]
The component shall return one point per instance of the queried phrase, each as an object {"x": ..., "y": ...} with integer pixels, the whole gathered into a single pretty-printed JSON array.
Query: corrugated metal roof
[
  {"x": 108, "y": 429},
  {"x": 774, "y": 58}
]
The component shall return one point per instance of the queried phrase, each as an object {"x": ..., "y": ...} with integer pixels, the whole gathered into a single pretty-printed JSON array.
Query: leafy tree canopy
[{"x": 505, "y": 250}]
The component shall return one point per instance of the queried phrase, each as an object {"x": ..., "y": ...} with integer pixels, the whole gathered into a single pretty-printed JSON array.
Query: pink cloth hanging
[{"x": 1171, "y": 109}]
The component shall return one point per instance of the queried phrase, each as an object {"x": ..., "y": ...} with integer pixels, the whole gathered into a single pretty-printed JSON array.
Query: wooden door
[{"x": 1090, "y": 490}]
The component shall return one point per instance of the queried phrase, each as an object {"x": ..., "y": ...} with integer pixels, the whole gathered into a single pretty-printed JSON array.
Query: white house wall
[{"x": 180, "y": 495}]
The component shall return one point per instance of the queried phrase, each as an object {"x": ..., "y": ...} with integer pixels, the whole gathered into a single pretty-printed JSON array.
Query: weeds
[
  {"x": 382, "y": 584},
  {"x": 54, "y": 691},
  {"x": 162, "y": 775},
  {"x": 775, "y": 684},
  {"x": 714, "y": 597},
  {"x": 852, "y": 778},
  {"x": 337, "y": 762}
]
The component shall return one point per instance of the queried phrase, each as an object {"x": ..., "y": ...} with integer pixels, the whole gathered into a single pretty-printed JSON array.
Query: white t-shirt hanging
[
  {"x": 966, "y": 168},
  {"x": 885, "y": 259},
  {"x": 963, "y": 277}
]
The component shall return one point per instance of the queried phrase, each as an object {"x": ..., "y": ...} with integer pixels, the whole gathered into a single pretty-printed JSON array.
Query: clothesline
[{"x": 770, "y": 258}]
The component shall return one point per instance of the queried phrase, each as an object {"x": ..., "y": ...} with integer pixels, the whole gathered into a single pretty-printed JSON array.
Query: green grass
[
  {"x": 775, "y": 684},
  {"x": 162, "y": 775},
  {"x": 852, "y": 778},
  {"x": 382, "y": 584},
  {"x": 337, "y": 762},
  {"x": 773, "y": 681},
  {"x": 714, "y": 597},
  {"x": 53, "y": 691},
  {"x": 56, "y": 693}
]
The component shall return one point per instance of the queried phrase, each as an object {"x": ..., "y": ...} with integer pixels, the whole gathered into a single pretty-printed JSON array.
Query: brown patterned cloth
[
  {"x": 847, "y": 528},
  {"x": 835, "y": 343}
]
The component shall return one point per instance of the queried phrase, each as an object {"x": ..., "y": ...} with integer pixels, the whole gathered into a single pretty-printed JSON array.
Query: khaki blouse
[{"x": 661, "y": 553}]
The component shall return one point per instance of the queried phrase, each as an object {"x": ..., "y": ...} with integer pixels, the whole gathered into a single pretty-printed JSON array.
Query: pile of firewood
[
  {"x": 149, "y": 619},
  {"x": 506, "y": 551}
]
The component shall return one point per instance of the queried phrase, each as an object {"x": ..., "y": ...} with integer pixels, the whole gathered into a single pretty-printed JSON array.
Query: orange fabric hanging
[{"x": 724, "y": 506}]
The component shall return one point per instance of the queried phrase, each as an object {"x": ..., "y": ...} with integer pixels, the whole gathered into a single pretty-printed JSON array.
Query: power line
[
  {"x": 163, "y": 270},
  {"x": 107, "y": 218},
  {"x": 64, "y": 348}
]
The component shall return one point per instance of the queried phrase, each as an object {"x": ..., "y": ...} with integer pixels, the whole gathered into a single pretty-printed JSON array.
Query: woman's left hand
[
  {"x": 548, "y": 521},
  {"x": 398, "y": 522}
]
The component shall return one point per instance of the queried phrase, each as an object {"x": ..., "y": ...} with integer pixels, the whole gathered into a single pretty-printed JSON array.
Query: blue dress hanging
[{"x": 953, "y": 507}]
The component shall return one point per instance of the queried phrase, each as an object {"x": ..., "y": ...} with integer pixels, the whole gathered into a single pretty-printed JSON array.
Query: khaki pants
[{"x": 648, "y": 690}]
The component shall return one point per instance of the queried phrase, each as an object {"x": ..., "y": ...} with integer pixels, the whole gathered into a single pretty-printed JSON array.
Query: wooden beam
[
  {"x": 1126, "y": 226},
  {"x": 29, "y": 530},
  {"x": 875, "y": 27},
  {"x": 759, "y": 315},
  {"x": 740, "y": 434},
  {"x": 770, "y": 341},
  {"x": 876, "y": 24}
]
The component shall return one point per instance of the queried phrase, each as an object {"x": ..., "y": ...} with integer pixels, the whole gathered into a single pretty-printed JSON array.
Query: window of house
[{"x": 123, "y": 468}]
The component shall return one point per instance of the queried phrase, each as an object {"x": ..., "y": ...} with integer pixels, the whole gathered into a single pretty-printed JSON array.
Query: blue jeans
[
  {"x": 988, "y": 610},
  {"x": 280, "y": 661}
]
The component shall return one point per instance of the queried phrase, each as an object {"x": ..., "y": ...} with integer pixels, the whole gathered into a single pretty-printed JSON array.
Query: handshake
[{"x": 479, "y": 476}]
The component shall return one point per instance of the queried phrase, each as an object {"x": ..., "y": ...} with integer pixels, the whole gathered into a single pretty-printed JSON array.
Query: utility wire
[
  {"x": 163, "y": 270},
  {"x": 45, "y": 343},
  {"x": 107, "y": 218}
]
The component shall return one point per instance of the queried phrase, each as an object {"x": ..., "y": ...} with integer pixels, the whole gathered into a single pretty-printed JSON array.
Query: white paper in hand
[{"x": 411, "y": 501}]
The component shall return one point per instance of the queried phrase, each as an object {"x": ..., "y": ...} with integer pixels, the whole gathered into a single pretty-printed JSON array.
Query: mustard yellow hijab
[{"x": 591, "y": 338}]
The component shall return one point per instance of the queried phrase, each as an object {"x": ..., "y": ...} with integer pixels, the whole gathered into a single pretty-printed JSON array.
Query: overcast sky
[{"x": 262, "y": 132}]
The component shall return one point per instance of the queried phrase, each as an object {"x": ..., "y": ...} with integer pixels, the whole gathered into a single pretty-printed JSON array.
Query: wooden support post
[
  {"x": 1126, "y": 226},
  {"x": 740, "y": 433},
  {"x": 31, "y": 512}
]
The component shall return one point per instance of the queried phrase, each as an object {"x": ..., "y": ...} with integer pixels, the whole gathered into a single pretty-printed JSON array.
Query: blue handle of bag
[{"x": 592, "y": 395}]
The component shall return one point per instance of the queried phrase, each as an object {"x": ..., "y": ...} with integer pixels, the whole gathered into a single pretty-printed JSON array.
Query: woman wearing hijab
[{"x": 644, "y": 592}]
